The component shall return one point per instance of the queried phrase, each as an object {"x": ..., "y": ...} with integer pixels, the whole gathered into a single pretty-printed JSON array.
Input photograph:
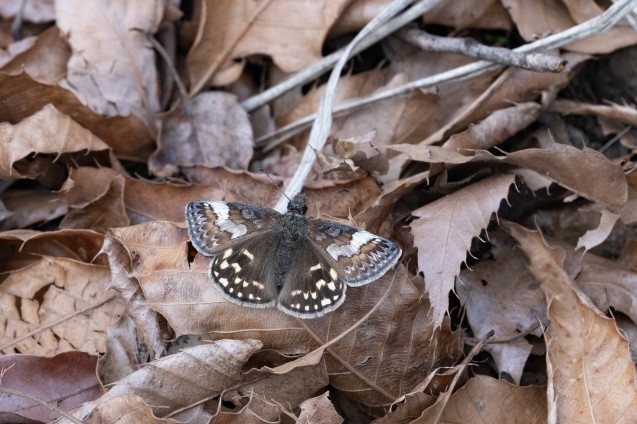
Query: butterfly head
[{"x": 298, "y": 205}]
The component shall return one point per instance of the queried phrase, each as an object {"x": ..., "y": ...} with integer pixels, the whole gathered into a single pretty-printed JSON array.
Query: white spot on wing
[
  {"x": 224, "y": 223},
  {"x": 359, "y": 238},
  {"x": 331, "y": 286},
  {"x": 315, "y": 267},
  {"x": 223, "y": 281},
  {"x": 248, "y": 254}
]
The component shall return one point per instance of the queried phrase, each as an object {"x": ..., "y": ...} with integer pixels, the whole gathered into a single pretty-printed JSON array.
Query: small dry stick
[{"x": 537, "y": 62}]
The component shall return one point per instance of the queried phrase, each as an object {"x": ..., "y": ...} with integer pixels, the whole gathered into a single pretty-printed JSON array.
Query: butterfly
[{"x": 300, "y": 265}]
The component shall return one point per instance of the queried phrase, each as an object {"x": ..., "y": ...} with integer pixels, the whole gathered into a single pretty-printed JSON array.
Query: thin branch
[
  {"x": 589, "y": 28},
  {"x": 537, "y": 62},
  {"x": 323, "y": 65},
  {"x": 41, "y": 402},
  {"x": 323, "y": 124}
]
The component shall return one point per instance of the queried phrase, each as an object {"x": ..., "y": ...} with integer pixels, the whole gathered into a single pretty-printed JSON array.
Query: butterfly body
[{"x": 301, "y": 265}]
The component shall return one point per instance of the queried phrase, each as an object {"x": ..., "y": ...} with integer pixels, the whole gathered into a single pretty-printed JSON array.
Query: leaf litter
[{"x": 512, "y": 193}]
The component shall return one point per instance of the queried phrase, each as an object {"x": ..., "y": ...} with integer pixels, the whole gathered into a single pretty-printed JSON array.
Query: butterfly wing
[
  {"x": 216, "y": 226},
  {"x": 311, "y": 287},
  {"x": 244, "y": 273},
  {"x": 360, "y": 257}
]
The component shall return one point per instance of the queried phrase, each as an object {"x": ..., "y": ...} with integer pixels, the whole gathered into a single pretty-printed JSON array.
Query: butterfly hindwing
[
  {"x": 312, "y": 288},
  {"x": 215, "y": 226},
  {"x": 241, "y": 273},
  {"x": 360, "y": 257}
]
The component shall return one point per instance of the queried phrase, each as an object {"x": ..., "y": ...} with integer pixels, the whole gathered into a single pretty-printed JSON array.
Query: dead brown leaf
[
  {"x": 291, "y": 36},
  {"x": 55, "y": 305},
  {"x": 212, "y": 129},
  {"x": 501, "y": 294},
  {"x": 626, "y": 114},
  {"x": 539, "y": 18},
  {"x": 318, "y": 410},
  {"x": 65, "y": 380},
  {"x": 126, "y": 408},
  {"x": 593, "y": 378},
  {"x": 24, "y": 97},
  {"x": 487, "y": 400},
  {"x": 220, "y": 362},
  {"x": 597, "y": 236},
  {"x": 45, "y": 61},
  {"x": 113, "y": 70},
  {"x": 47, "y": 132},
  {"x": 609, "y": 187},
  {"x": 443, "y": 231}
]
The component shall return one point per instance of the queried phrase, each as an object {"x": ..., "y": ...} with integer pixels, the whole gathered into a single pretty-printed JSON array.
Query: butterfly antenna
[
  {"x": 275, "y": 184},
  {"x": 343, "y": 190}
]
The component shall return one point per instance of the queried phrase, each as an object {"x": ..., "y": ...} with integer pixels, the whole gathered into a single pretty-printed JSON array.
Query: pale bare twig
[
  {"x": 323, "y": 124},
  {"x": 537, "y": 62}
]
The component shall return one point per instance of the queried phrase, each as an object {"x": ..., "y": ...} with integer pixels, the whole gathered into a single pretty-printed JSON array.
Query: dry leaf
[
  {"x": 112, "y": 70},
  {"x": 626, "y": 114},
  {"x": 24, "y": 97},
  {"x": 318, "y": 410},
  {"x": 45, "y": 61},
  {"x": 593, "y": 377},
  {"x": 47, "y": 132},
  {"x": 609, "y": 187},
  {"x": 487, "y": 400},
  {"x": 609, "y": 283},
  {"x": 443, "y": 231},
  {"x": 122, "y": 409},
  {"x": 220, "y": 362},
  {"x": 597, "y": 236},
  {"x": 70, "y": 294},
  {"x": 292, "y": 36},
  {"x": 540, "y": 18},
  {"x": 500, "y": 294},
  {"x": 65, "y": 380},
  {"x": 212, "y": 129}
]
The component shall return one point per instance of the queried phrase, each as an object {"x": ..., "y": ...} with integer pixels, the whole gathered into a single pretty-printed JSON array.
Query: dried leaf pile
[{"x": 498, "y": 153}]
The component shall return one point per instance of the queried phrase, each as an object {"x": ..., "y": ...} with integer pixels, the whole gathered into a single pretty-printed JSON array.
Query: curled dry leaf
[
  {"x": 608, "y": 187},
  {"x": 292, "y": 36},
  {"x": 487, "y": 400},
  {"x": 122, "y": 355},
  {"x": 65, "y": 380},
  {"x": 106, "y": 212},
  {"x": 30, "y": 207},
  {"x": 597, "y": 236},
  {"x": 609, "y": 283},
  {"x": 55, "y": 305},
  {"x": 551, "y": 16},
  {"x": 49, "y": 131},
  {"x": 39, "y": 11},
  {"x": 112, "y": 70},
  {"x": 126, "y": 408},
  {"x": 501, "y": 294},
  {"x": 443, "y": 231},
  {"x": 182, "y": 293},
  {"x": 318, "y": 410},
  {"x": 589, "y": 363},
  {"x": 272, "y": 392},
  {"x": 212, "y": 129},
  {"x": 627, "y": 114},
  {"x": 45, "y": 61},
  {"x": 128, "y": 136},
  {"x": 220, "y": 362},
  {"x": 495, "y": 128}
]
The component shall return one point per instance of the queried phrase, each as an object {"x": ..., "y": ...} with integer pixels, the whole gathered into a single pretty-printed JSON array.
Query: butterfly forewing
[
  {"x": 360, "y": 257},
  {"x": 242, "y": 273},
  {"x": 312, "y": 289},
  {"x": 215, "y": 226}
]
